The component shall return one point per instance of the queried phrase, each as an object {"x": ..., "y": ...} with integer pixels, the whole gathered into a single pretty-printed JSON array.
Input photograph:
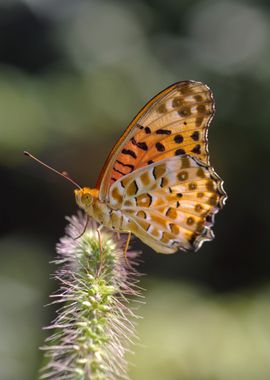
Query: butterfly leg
[
  {"x": 126, "y": 248},
  {"x": 84, "y": 229}
]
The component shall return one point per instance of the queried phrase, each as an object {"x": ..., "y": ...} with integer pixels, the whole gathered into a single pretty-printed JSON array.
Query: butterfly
[{"x": 157, "y": 182}]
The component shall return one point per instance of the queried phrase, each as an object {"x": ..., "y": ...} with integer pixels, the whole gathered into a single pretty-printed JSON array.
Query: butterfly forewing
[
  {"x": 173, "y": 123},
  {"x": 170, "y": 204}
]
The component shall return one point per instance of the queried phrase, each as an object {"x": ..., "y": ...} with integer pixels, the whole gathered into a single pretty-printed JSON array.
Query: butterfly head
[{"x": 85, "y": 197}]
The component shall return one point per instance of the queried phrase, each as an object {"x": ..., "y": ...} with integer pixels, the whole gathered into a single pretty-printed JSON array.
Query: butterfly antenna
[{"x": 63, "y": 174}]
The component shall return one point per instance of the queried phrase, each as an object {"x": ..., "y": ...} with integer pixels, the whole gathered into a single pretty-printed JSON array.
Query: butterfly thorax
[{"x": 88, "y": 200}]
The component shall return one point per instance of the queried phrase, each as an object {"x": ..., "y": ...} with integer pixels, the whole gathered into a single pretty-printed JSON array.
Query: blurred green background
[{"x": 72, "y": 76}]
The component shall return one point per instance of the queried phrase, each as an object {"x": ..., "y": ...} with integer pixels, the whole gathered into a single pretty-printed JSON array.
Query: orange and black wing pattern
[{"x": 173, "y": 123}]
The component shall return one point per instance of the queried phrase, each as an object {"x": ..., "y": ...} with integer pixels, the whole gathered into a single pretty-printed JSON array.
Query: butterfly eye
[{"x": 86, "y": 199}]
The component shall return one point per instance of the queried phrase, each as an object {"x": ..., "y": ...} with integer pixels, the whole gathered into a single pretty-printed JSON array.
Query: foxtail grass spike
[{"x": 94, "y": 326}]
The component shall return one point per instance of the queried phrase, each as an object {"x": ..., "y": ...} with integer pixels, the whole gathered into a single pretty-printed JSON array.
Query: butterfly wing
[
  {"x": 171, "y": 204},
  {"x": 173, "y": 123}
]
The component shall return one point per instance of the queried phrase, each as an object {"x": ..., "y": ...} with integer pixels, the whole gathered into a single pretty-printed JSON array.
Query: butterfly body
[
  {"x": 89, "y": 201},
  {"x": 157, "y": 182}
]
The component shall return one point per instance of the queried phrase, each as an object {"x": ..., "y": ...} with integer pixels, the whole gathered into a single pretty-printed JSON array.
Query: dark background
[{"x": 72, "y": 76}]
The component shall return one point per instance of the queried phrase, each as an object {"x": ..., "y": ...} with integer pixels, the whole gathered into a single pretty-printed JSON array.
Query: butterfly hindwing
[
  {"x": 170, "y": 204},
  {"x": 173, "y": 123}
]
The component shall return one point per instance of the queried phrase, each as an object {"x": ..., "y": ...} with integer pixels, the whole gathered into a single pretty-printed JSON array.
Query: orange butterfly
[{"x": 157, "y": 182}]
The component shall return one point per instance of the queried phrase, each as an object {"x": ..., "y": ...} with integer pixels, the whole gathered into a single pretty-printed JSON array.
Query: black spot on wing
[
  {"x": 195, "y": 136},
  {"x": 178, "y": 139},
  {"x": 179, "y": 152},
  {"x": 196, "y": 149},
  {"x": 141, "y": 145},
  {"x": 163, "y": 132},
  {"x": 160, "y": 147},
  {"x": 118, "y": 171},
  {"x": 129, "y": 152},
  {"x": 126, "y": 165}
]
